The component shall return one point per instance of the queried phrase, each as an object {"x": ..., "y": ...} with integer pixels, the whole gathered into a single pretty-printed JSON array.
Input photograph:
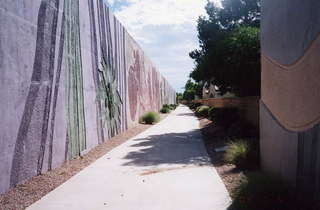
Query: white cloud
[
  {"x": 159, "y": 12},
  {"x": 111, "y": 2},
  {"x": 166, "y": 31}
]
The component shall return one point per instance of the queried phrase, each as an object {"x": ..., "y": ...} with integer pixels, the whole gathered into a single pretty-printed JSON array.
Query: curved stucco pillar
[{"x": 290, "y": 93}]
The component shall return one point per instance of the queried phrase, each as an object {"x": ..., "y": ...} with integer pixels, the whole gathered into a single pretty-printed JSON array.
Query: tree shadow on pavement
[{"x": 169, "y": 148}]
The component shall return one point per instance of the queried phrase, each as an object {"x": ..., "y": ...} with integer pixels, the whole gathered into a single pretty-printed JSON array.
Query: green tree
[
  {"x": 179, "y": 97},
  {"x": 191, "y": 90},
  {"x": 243, "y": 61},
  {"x": 229, "y": 47}
]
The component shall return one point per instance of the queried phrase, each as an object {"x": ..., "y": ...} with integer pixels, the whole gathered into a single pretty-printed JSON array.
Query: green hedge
[
  {"x": 194, "y": 106},
  {"x": 168, "y": 106},
  {"x": 224, "y": 116}
]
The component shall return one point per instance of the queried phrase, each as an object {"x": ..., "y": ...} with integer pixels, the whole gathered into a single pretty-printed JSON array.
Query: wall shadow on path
[
  {"x": 186, "y": 114},
  {"x": 169, "y": 148}
]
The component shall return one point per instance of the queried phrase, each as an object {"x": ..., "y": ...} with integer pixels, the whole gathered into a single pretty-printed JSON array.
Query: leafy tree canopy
[
  {"x": 179, "y": 97},
  {"x": 191, "y": 90},
  {"x": 229, "y": 47}
]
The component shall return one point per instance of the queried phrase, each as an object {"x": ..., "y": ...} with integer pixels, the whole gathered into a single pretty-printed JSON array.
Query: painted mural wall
[
  {"x": 290, "y": 105},
  {"x": 71, "y": 78}
]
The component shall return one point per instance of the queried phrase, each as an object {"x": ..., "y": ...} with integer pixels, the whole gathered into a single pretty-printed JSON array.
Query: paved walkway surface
[{"x": 164, "y": 168}]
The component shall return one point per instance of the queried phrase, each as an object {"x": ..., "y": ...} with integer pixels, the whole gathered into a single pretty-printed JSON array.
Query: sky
[{"x": 166, "y": 30}]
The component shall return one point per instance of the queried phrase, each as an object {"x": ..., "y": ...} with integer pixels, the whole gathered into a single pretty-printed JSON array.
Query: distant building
[{"x": 210, "y": 90}]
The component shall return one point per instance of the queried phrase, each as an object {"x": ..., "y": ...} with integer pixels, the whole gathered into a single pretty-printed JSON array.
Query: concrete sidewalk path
[{"x": 164, "y": 168}]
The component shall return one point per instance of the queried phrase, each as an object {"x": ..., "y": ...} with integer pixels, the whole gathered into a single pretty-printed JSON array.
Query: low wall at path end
[
  {"x": 248, "y": 106},
  {"x": 71, "y": 78}
]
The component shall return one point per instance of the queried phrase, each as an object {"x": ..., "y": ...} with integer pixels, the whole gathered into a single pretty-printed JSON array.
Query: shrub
[
  {"x": 211, "y": 112},
  {"x": 194, "y": 106},
  {"x": 173, "y": 106},
  {"x": 202, "y": 111},
  {"x": 165, "y": 110},
  {"x": 166, "y": 106},
  {"x": 224, "y": 116},
  {"x": 150, "y": 118},
  {"x": 169, "y": 106},
  {"x": 260, "y": 191}
]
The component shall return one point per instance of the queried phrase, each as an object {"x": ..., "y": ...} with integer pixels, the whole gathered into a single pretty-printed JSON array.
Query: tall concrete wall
[
  {"x": 71, "y": 78},
  {"x": 290, "y": 105}
]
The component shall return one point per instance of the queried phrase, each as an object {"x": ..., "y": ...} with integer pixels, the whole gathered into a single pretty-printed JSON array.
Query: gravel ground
[
  {"x": 215, "y": 137},
  {"x": 32, "y": 190}
]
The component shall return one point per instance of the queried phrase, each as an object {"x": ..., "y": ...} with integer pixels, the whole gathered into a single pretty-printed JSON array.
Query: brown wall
[{"x": 248, "y": 106}]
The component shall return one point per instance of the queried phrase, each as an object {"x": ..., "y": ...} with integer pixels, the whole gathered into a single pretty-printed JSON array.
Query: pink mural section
[{"x": 71, "y": 79}]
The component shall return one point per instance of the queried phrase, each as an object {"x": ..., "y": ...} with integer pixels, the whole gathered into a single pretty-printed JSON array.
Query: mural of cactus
[
  {"x": 76, "y": 140},
  {"x": 110, "y": 96}
]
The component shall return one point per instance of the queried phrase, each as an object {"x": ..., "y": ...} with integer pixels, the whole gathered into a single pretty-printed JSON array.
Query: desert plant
[
  {"x": 165, "y": 110},
  {"x": 238, "y": 153},
  {"x": 150, "y": 118},
  {"x": 202, "y": 111}
]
